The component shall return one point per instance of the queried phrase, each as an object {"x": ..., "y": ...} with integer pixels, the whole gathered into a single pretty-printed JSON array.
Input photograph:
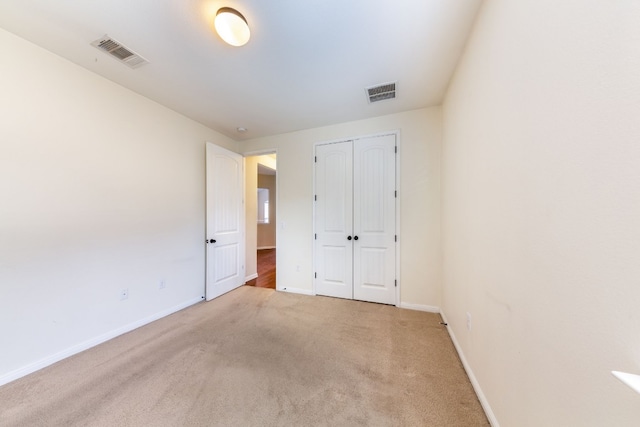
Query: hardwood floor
[{"x": 266, "y": 270}]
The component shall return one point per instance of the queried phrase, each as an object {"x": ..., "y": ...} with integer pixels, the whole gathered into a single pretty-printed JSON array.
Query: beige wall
[
  {"x": 100, "y": 190},
  {"x": 419, "y": 195},
  {"x": 541, "y": 208},
  {"x": 251, "y": 211},
  {"x": 267, "y": 232}
]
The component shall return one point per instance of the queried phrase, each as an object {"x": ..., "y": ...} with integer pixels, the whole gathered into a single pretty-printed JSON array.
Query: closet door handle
[
  {"x": 348, "y": 237},
  {"x": 355, "y": 237},
  {"x": 212, "y": 241}
]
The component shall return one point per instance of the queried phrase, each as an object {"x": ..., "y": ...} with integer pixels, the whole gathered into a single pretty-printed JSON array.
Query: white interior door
[
  {"x": 334, "y": 220},
  {"x": 355, "y": 219},
  {"x": 225, "y": 221},
  {"x": 374, "y": 225}
]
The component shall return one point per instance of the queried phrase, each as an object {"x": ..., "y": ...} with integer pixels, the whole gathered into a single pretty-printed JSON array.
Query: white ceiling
[{"x": 306, "y": 65}]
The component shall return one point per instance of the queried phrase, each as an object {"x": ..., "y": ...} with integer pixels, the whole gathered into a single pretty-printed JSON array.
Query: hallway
[{"x": 266, "y": 270}]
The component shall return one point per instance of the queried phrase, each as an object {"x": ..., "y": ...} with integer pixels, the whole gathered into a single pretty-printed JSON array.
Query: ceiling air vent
[
  {"x": 119, "y": 52},
  {"x": 381, "y": 92}
]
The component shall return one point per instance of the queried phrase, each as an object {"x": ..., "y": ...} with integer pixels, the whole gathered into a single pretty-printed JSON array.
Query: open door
[{"x": 224, "y": 222}]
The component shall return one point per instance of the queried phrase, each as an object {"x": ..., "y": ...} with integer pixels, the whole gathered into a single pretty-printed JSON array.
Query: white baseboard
[
  {"x": 251, "y": 277},
  {"x": 265, "y": 247},
  {"x": 296, "y": 290},
  {"x": 474, "y": 382},
  {"x": 420, "y": 307},
  {"x": 50, "y": 360}
]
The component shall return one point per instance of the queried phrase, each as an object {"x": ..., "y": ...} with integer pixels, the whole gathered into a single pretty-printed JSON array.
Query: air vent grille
[
  {"x": 381, "y": 92},
  {"x": 119, "y": 52}
]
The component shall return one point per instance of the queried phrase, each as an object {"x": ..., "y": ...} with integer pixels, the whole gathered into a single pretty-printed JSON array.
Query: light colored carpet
[{"x": 255, "y": 357}]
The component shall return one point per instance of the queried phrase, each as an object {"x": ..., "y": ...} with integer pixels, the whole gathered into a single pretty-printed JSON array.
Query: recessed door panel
[
  {"x": 226, "y": 262},
  {"x": 334, "y": 266},
  {"x": 372, "y": 267},
  {"x": 225, "y": 197},
  {"x": 334, "y": 200},
  {"x": 369, "y": 194}
]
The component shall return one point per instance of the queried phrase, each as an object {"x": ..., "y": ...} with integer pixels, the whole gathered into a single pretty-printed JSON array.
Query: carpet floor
[{"x": 255, "y": 357}]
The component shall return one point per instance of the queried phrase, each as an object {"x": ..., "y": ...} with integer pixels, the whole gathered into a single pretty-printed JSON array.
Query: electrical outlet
[
  {"x": 162, "y": 284},
  {"x": 124, "y": 294},
  {"x": 468, "y": 321},
  {"x": 297, "y": 268}
]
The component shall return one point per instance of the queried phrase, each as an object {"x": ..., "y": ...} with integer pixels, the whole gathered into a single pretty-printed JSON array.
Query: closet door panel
[
  {"x": 334, "y": 220},
  {"x": 374, "y": 211}
]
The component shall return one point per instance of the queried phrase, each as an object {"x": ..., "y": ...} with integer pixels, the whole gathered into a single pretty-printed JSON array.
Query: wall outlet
[
  {"x": 297, "y": 268},
  {"x": 162, "y": 284},
  {"x": 124, "y": 294},
  {"x": 468, "y": 321}
]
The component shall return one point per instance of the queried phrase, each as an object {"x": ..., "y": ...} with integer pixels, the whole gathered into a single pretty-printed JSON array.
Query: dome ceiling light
[{"x": 232, "y": 27}]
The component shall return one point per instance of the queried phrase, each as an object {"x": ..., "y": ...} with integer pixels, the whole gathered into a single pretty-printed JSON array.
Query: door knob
[
  {"x": 348, "y": 237},
  {"x": 212, "y": 241},
  {"x": 355, "y": 237}
]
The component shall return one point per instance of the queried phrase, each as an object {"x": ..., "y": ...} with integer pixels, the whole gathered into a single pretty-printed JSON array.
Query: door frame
[
  {"x": 396, "y": 133},
  {"x": 264, "y": 152}
]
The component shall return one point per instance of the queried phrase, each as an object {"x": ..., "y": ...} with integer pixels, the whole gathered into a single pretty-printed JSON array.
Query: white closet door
[
  {"x": 355, "y": 219},
  {"x": 334, "y": 220},
  {"x": 374, "y": 212}
]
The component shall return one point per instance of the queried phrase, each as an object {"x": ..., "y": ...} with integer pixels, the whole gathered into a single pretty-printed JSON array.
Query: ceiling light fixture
[{"x": 232, "y": 27}]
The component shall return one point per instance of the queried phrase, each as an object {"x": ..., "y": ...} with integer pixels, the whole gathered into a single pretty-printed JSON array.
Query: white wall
[
  {"x": 100, "y": 190},
  {"x": 541, "y": 210},
  {"x": 419, "y": 198}
]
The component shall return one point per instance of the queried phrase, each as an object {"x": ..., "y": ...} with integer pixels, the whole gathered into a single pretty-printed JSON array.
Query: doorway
[{"x": 261, "y": 214}]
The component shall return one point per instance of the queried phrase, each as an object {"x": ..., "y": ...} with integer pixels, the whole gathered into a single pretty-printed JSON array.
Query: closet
[{"x": 355, "y": 219}]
